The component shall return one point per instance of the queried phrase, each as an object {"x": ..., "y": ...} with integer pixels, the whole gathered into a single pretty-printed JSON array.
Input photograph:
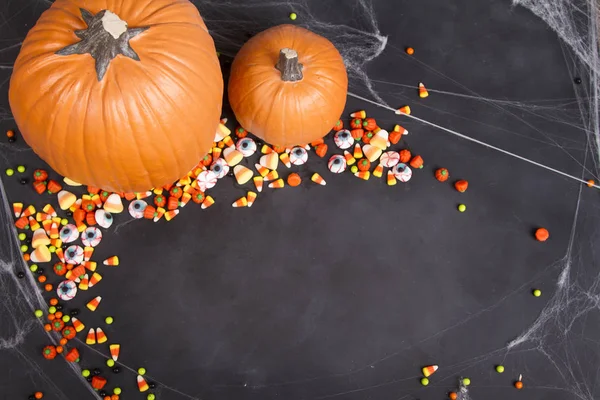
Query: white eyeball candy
[
  {"x": 91, "y": 237},
  {"x": 74, "y": 255},
  {"x": 343, "y": 139},
  {"x": 337, "y": 164},
  {"x": 103, "y": 218},
  {"x": 389, "y": 159},
  {"x": 298, "y": 155},
  {"x": 220, "y": 167},
  {"x": 402, "y": 172},
  {"x": 68, "y": 233},
  {"x": 246, "y": 146},
  {"x": 66, "y": 290},
  {"x": 136, "y": 208}
]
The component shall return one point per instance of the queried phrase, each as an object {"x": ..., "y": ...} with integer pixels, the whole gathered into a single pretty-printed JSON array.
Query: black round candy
[
  {"x": 230, "y": 173},
  {"x": 11, "y": 140},
  {"x": 578, "y": 80},
  {"x": 152, "y": 385},
  {"x": 69, "y": 213},
  {"x": 24, "y": 181},
  {"x": 32, "y": 397},
  {"x": 74, "y": 312},
  {"x": 102, "y": 393},
  {"x": 39, "y": 271},
  {"x": 116, "y": 370},
  {"x": 96, "y": 371},
  {"x": 89, "y": 378},
  {"x": 58, "y": 307},
  {"x": 28, "y": 241},
  {"x": 20, "y": 275}
]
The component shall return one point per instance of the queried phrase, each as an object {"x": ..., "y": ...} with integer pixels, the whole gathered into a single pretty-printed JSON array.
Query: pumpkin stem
[
  {"x": 288, "y": 65},
  {"x": 105, "y": 37}
]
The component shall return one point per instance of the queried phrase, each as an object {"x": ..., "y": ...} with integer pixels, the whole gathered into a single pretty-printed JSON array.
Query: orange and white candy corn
[
  {"x": 208, "y": 201},
  {"x": 364, "y": 175},
  {"x": 242, "y": 174},
  {"x": 429, "y": 370},
  {"x": 77, "y": 324},
  {"x": 113, "y": 204},
  {"x": 378, "y": 171},
  {"x": 222, "y": 131},
  {"x": 112, "y": 261},
  {"x": 391, "y": 179},
  {"x": 380, "y": 140},
  {"x": 285, "y": 159},
  {"x": 96, "y": 277},
  {"x": 115, "y": 349},
  {"x": 358, "y": 154},
  {"x": 258, "y": 183},
  {"x": 400, "y": 129},
  {"x": 169, "y": 215},
  {"x": 371, "y": 152},
  {"x": 91, "y": 337},
  {"x": 278, "y": 184},
  {"x": 316, "y": 178},
  {"x": 403, "y": 110},
  {"x": 349, "y": 158},
  {"x": 93, "y": 304},
  {"x": 270, "y": 161},
  {"x": 66, "y": 199},
  {"x": 362, "y": 114},
  {"x": 232, "y": 156},
  {"x": 18, "y": 209},
  {"x": 40, "y": 238},
  {"x": 271, "y": 176},
  {"x": 142, "y": 384},
  {"x": 261, "y": 170},
  {"x": 48, "y": 209},
  {"x": 423, "y": 93},
  {"x": 101, "y": 336},
  {"x": 41, "y": 255},
  {"x": 241, "y": 202},
  {"x": 251, "y": 197}
]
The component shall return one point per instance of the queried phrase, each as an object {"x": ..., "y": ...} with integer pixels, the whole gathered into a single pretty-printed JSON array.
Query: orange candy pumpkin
[
  {"x": 288, "y": 86},
  {"x": 123, "y": 95},
  {"x": 442, "y": 174}
]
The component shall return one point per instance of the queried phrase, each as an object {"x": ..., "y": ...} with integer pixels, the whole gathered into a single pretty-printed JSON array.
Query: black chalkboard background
[{"x": 346, "y": 291}]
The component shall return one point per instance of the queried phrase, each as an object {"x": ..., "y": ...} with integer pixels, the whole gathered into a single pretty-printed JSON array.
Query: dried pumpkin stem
[
  {"x": 106, "y": 37},
  {"x": 288, "y": 65}
]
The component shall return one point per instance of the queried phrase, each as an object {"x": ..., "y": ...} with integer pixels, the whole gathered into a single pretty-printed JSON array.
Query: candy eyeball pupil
[
  {"x": 108, "y": 216},
  {"x": 71, "y": 253},
  {"x": 245, "y": 145},
  {"x": 136, "y": 205},
  {"x": 336, "y": 161},
  {"x": 217, "y": 168},
  {"x": 67, "y": 231},
  {"x": 90, "y": 234},
  {"x": 298, "y": 152}
]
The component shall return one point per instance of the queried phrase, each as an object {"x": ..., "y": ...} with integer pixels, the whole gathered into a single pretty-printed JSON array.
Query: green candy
[
  {"x": 109, "y": 320},
  {"x": 10, "y": 172},
  {"x": 151, "y": 396},
  {"x": 466, "y": 381},
  {"x": 24, "y": 248},
  {"x": 117, "y": 390},
  {"x": 22, "y": 236},
  {"x": 293, "y": 16},
  {"x": 537, "y": 292},
  {"x": 462, "y": 208},
  {"x": 499, "y": 369},
  {"x": 39, "y": 313},
  {"x": 21, "y": 168},
  {"x": 85, "y": 373},
  {"x": 33, "y": 267},
  {"x": 110, "y": 362},
  {"x": 424, "y": 381},
  {"x": 66, "y": 318},
  {"x": 52, "y": 310},
  {"x": 141, "y": 371}
]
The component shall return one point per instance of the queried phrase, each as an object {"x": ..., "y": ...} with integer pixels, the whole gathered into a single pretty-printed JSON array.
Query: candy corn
[
  {"x": 278, "y": 184},
  {"x": 391, "y": 179},
  {"x": 41, "y": 254},
  {"x": 87, "y": 253},
  {"x": 403, "y": 110},
  {"x": 29, "y": 211},
  {"x": 100, "y": 336},
  {"x": 285, "y": 159},
  {"x": 241, "y": 202},
  {"x": 261, "y": 170},
  {"x": 242, "y": 174},
  {"x": 17, "y": 209},
  {"x": 251, "y": 197},
  {"x": 216, "y": 153},
  {"x": 372, "y": 152},
  {"x": 271, "y": 176},
  {"x": 96, "y": 277},
  {"x": 258, "y": 183},
  {"x": 48, "y": 209},
  {"x": 378, "y": 172},
  {"x": 94, "y": 303},
  {"x": 270, "y": 161},
  {"x": 316, "y": 178},
  {"x": 113, "y": 261},
  {"x": 429, "y": 370},
  {"x": 357, "y": 151},
  {"x": 232, "y": 156},
  {"x": 77, "y": 324},
  {"x": 142, "y": 384},
  {"x": 113, "y": 204},
  {"x": 349, "y": 158},
  {"x": 159, "y": 213},
  {"x": 91, "y": 337},
  {"x": 422, "y": 91},
  {"x": 39, "y": 238},
  {"x": 209, "y": 201},
  {"x": 362, "y": 114},
  {"x": 169, "y": 215},
  {"x": 365, "y": 175},
  {"x": 115, "y": 349},
  {"x": 265, "y": 149}
]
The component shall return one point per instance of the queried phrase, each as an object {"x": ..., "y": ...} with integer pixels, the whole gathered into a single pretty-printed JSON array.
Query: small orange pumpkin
[
  {"x": 288, "y": 85},
  {"x": 461, "y": 185},
  {"x": 442, "y": 174},
  {"x": 123, "y": 95}
]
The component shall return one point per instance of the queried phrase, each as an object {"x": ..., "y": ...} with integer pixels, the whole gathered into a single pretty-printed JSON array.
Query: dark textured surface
[{"x": 346, "y": 291}]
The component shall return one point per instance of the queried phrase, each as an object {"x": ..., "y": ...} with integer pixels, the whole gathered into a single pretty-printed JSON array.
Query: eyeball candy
[
  {"x": 343, "y": 139},
  {"x": 337, "y": 164},
  {"x": 136, "y": 208},
  {"x": 68, "y": 233},
  {"x": 402, "y": 172},
  {"x": 298, "y": 155},
  {"x": 74, "y": 255},
  {"x": 246, "y": 146},
  {"x": 91, "y": 237},
  {"x": 103, "y": 218},
  {"x": 66, "y": 290},
  {"x": 220, "y": 167}
]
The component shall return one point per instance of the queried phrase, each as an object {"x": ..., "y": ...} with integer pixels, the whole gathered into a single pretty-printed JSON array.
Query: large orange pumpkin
[
  {"x": 120, "y": 94},
  {"x": 288, "y": 86}
]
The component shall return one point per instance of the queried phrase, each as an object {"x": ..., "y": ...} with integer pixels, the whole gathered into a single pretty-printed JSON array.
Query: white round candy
[
  {"x": 91, "y": 237},
  {"x": 337, "y": 164},
  {"x": 220, "y": 167},
  {"x": 136, "y": 208},
  {"x": 298, "y": 155},
  {"x": 389, "y": 159},
  {"x": 68, "y": 233},
  {"x": 246, "y": 146},
  {"x": 343, "y": 139},
  {"x": 206, "y": 180},
  {"x": 402, "y": 172},
  {"x": 74, "y": 255},
  {"x": 66, "y": 290}
]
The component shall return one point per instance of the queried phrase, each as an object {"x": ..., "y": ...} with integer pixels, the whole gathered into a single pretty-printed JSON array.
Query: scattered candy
[
  {"x": 112, "y": 261},
  {"x": 371, "y": 152},
  {"x": 391, "y": 179},
  {"x": 343, "y": 139},
  {"x": 537, "y": 292},
  {"x": 270, "y": 161},
  {"x": 93, "y": 304},
  {"x": 115, "y": 349},
  {"x": 66, "y": 290},
  {"x": 38, "y": 313},
  {"x": 9, "y": 172},
  {"x": 74, "y": 255},
  {"x": 364, "y": 175},
  {"x": 113, "y": 204},
  {"x": 91, "y": 337},
  {"x": 232, "y": 156},
  {"x": 442, "y": 174},
  {"x": 542, "y": 234},
  {"x": 337, "y": 164},
  {"x": 402, "y": 172},
  {"x": 41, "y": 254},
  {"x": 403, "y": 110},
  {"x": 410, "y": 51},
  {"x": 242, "y": 174},
  {"x": 389, "y": 159},
  {"x": 220, "y": 168},
  {"x": 141, "y": 371},
  {"x": 519, "y": 383},
  {"x": 278, "y": 184},
  {"x": 424, "y": 381},
  {"x": 206, "y": 180},
  {"x": 208, "y": 201},
  {"x": 462, "y": 208},
  {"x": 294, "y": 179},
  {"x": 241, "y": 202},
  {"x": 499, "y": 369},
  {"x": 251, "y": 197},
  {"x": 466, "y": 381},
  {"x": 362, "y": 114},
  {"x": 452, "y": 396},
  {"x": 293, "y": 16},
  {"x": 91, "y": 237},
  {"x": 258, "y": 183},
  {"x": 100, "y": 336},
  {"x": 298, "y": 156}
]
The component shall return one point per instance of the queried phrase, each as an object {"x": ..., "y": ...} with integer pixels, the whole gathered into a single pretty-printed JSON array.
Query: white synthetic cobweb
[{"x": 559, "y": 327}]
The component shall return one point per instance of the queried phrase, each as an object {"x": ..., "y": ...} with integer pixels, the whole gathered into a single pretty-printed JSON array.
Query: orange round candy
[
  {"x": 591, "y": 183},
  {"x": 41, "y": 278},
  {"x": 53, "y": 302},
  {"x": 63, "y": 341},
  {"x": 47, "y": 327},
  {"x": 59, "y": 349},
  {"x": 10, "y": 134},
  {"x": 38, "y": 395},
  {"x": 48, "y": 287},
  {"x": 452, "y": 396},
  {"x": 26, "y": 257},
  {"x": 294, "y": 179},
  {"x": 542, "y": 234},
  {"x": 519, "y": 385},
  {"x": 410, "y": 51}
]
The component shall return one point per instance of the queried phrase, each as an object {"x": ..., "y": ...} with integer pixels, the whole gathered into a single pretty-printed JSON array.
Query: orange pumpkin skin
[
  {"x": 287, "y": 113},
  {"x": 145, "y": 123}
]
